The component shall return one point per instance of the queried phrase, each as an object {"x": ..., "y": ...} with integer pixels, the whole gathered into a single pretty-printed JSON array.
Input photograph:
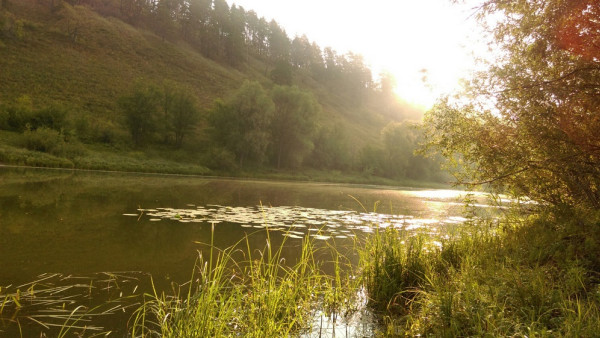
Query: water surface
[{"x": 78, "y": 223}]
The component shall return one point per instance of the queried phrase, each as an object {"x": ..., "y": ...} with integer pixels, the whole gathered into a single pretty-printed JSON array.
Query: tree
[
  {"x": 141, "y": 109},
  {"x": 330, "y": 149},
  {"x": 184, "y": 115},
  {"x": 301, "y": 52},
  {"x": 257, "y": 32},
  {"x": 198, "y": 15},
  {"x": 293, "y": 125},
  {"x": 529, "y": 124},
  {"x": 234, "y": 44},
  {"x": 163, "y": 21},
  {"x": 241, "y": 124},
  {"x": 282, "y": 73},
  {"x": 279, "y": 44},
  {"x": 399, "y": 144}
]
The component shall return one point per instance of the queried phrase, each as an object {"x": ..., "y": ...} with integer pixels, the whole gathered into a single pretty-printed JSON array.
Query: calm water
[{"x": 85, "y": 224}]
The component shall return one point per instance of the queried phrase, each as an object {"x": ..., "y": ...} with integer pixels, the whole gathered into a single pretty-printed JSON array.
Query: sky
[{"x": 402, "y": 37}]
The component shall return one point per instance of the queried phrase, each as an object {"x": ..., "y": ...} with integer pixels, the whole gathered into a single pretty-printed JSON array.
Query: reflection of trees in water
[{"x": 72, "y": 221}]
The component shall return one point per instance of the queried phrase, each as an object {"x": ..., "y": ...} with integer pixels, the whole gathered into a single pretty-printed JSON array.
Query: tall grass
[
  {"x": 528, "y": 280},
  {"x": 238, "y": 291}
]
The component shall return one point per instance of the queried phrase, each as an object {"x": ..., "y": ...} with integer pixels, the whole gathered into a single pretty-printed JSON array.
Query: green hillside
[{"x": 80, "y": 59}]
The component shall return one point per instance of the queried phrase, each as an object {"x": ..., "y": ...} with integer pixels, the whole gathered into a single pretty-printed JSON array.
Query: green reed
[
  {"x": 240, "y": 291},
  {"x": 539, "y": 278}
]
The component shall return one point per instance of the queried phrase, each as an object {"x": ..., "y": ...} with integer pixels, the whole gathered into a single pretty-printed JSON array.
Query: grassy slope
[{"x": 109, "y": 56}]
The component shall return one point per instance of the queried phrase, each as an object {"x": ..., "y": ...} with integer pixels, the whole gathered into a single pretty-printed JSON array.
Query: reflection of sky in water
[{"x": 437, "y": 194}]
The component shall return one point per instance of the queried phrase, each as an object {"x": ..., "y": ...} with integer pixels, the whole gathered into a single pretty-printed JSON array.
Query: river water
[{"x": 72, "y": 224}]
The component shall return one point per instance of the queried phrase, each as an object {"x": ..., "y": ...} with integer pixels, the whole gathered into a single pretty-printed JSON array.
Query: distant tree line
[
  {"x": 233, "y": 35},
  {"x": 253, "y": 128},
  {"x": 279, "y": 128}
]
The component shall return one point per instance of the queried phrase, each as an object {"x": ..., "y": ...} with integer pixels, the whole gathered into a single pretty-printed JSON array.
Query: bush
[
  {"x": 20, "y": 116},
  {"x": 220, "y": 159},
  {"x": 43, "y": 139},
  {"x": 53, "y": 142}
]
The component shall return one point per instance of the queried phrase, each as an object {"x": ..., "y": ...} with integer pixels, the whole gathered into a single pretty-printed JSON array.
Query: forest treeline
[
  {"x": 296, "y": 105},
  {"x": 232, "y": 34},
  {"x": 253, "y": 128}
]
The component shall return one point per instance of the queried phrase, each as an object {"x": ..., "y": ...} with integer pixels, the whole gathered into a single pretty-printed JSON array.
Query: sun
[{"x": 427, "y": 45}]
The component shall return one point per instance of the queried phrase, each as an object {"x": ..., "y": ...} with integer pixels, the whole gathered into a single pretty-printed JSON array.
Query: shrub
[
  {"x": 53, "y": 142},
  {"x": 43, "y": 139},
  {"x": 220, "y": 159}
]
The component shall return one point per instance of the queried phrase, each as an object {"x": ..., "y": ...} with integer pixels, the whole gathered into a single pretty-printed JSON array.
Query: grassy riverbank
[
  {"x": 520, "y": 277},
  {"x": 238, "y": 291},
  {"x": 98, "y": 157},
  {"x": 535, "y": 278}
]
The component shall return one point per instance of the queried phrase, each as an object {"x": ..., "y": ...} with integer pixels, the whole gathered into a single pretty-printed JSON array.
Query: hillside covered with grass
[{"x": 69, "y": 67}]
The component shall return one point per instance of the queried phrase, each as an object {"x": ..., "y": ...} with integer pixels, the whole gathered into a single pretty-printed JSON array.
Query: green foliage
[
  {"x": 396, "y": 269},
  {"x": 282, "y": 73},
  {"x": 399, "y": 141},
  {"x": 141, "y": 109},
  {"x": 20, "y": 156},
  {"x": 401, "y": 159},
  {"x": 330, "y": 149},
  {"x": 43, "y": 139},
  {"x": 259, "y": 296},
  {"x": 51, "y": 141},
  {"x": 528, "y": 124},
  {"x": 180, "y": 113},
  {"x": 371, "y": 159},
  {"x": 10, "y": 26},
  {"x": 241, "y": 125},
  {"x": 292, "y": 125},
  {"x": 485, "y": 281},
  {"x": 77, "y": 58},
  {"x": 21, "y": 115},
  {"x": 220, "y": 159}
]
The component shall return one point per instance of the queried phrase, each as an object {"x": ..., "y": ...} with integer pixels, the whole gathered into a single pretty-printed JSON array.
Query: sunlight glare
[{"x": 427, "y": 45}]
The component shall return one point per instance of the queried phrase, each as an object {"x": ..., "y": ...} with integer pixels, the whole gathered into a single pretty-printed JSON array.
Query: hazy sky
[{"x": 400, "y": 36}]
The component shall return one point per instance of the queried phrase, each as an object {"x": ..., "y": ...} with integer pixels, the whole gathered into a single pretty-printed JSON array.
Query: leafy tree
[
  {"x": 241, "y": 124},
  {"x": 387, "y": 83},
  {"x": 293, "y": 125},
  {"x": 370, "y": 160},
  {"x": 330, "y": 149},
  {"x": 399, "y": 142},
  {"x": 357, "y": 77},
  {"x": 141, "y": 110},
  {"x": 282, "y": 73},
  {"x": 179, "y": 113},
  {"x": 184, "y": 115},
  {"x": 529, "y": 123},
  {"x": 317, "y": 64}
]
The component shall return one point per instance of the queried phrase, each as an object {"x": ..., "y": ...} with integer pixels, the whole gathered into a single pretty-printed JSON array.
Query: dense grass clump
[
  {"x": 261, "y": 295},
  {"x": 539, "y": 278}
]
